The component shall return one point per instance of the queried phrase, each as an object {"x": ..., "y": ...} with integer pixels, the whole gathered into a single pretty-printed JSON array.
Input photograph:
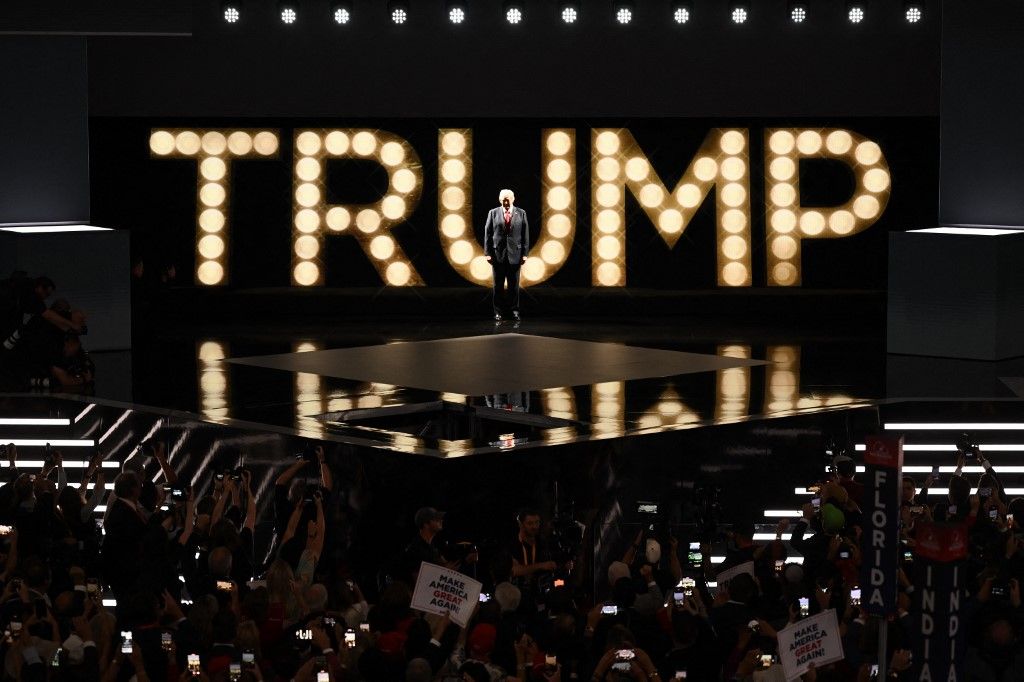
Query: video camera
[{"x": 966, "y": 447}]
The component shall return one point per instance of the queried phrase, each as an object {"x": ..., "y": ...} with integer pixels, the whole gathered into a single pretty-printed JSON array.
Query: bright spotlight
[
  {"x": 513, "y": 12},
  {"x": 232, "y": 11},
  {"x": 856, "y": 11},
  {"x": 739, "y": 12},
  {"x": 682, "y": 12},
  {"x": 913, "y": 12},
  {"x": 570, "y": 12},
  {"x": 456, "y": 12},
  {"x": 797, "y": 11},
  {"x": 289, "y": 12},
  {"x": 624, "y": 12},
  {"x": 398, "y": 11},
  {"x": 341, "y": 12}
]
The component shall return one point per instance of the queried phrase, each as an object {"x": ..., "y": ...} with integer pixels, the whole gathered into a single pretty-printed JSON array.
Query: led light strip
[
  {"x": 944, "y": 447},
  {"x": 31, "y": 421},
  {"x": 56, "y": 443},
  {"x": 1002, "y": 469},
  {"x": 955, "y": 426},
  {"x": 87, "y": 410},
  {"x": 932, "y": 491},
  {"x": 115, "y": 425}
]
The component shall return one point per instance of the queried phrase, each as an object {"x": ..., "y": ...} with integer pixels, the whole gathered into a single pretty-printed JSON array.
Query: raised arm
[
  {"x": 315, "y": 543},
  {"x": 288, "y": 474},
  {"x": 250, "y": 509},
  {"x": 160, "y": 454},
  {"x": 326, "y": 480}
]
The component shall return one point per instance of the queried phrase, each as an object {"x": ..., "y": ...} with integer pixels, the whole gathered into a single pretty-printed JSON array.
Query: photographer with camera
[{"x": 532, "y": 562}]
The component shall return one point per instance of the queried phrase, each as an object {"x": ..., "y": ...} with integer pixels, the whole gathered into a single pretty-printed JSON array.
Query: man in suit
[
  {"x": 124, "y": 525},
  {"x": 506, "y": 243}
]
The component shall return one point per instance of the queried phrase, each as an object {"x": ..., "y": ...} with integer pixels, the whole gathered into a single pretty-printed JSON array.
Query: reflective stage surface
[{"x": 740, "y": 375}]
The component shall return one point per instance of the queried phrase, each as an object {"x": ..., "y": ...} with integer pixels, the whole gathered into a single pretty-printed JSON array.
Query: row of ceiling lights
[{"x": 798, "y": 11}]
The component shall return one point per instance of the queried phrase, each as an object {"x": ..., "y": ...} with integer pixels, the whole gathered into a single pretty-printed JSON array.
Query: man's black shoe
[
  {"x": 517, "y": 316},
  {"x": 497, "y": 317}
]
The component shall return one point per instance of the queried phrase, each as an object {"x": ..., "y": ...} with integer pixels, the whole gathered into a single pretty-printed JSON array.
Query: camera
[{"x": 966, "y": 448}]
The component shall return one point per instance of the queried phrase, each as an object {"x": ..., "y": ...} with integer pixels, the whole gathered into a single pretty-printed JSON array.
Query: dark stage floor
[{"x": 406, "y": 384}]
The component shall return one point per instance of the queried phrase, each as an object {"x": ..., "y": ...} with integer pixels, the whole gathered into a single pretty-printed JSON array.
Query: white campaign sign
[
  {"x": 812, "y": 640},
  {"x": 441, "y": 590}
]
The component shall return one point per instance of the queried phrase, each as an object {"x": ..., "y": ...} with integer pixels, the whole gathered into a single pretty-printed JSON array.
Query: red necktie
[{"x": 508, "y": 221}]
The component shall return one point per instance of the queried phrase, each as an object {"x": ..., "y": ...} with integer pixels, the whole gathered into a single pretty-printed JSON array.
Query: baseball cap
[{"x": 425, "y": 515}]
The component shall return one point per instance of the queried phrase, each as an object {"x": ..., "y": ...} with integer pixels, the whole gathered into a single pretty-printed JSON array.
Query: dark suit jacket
[
  {"x": 122, "y": 544},
  {"x": 513, "y": 246}
]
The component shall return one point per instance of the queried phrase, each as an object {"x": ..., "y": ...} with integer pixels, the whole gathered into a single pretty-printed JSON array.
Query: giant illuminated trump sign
[{"x": 619, "y": 166}]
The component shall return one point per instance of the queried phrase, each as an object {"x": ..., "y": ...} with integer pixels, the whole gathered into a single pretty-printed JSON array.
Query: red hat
[
  {"x": 481, "y": 640},
  {"x": 391, "y": 643}
]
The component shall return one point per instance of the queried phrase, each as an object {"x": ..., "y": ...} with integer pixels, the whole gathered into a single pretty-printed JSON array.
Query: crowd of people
[
  {"x": 168, "y": 584},
  {"x": 41, "y": 345}
]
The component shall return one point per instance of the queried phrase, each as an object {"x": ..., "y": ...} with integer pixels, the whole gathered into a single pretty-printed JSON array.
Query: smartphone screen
[
  {"x": 323, "y": 676},
  {"x": 694, "y": 555},
  {"x": 364, "y": 627},
  {"x": 165, "y": 641},
  {"x": 805, "y": 606},
  {"x": 304, "y": 634},
  {"x": 235, "y": 672},
  {"x": 193, "y": 665},
  {"x": 350, "y": 638},
  {"x": 609, "y": 609},
  {"x": 855, "y": 596},
  {"x": 224, "y": 585},
  {"x": 248, "y": 657},
  {"x": 126, "y": 641}
]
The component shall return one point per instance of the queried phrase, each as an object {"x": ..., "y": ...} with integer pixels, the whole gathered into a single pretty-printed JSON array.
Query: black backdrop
[{"x": 155, "y": 198}]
